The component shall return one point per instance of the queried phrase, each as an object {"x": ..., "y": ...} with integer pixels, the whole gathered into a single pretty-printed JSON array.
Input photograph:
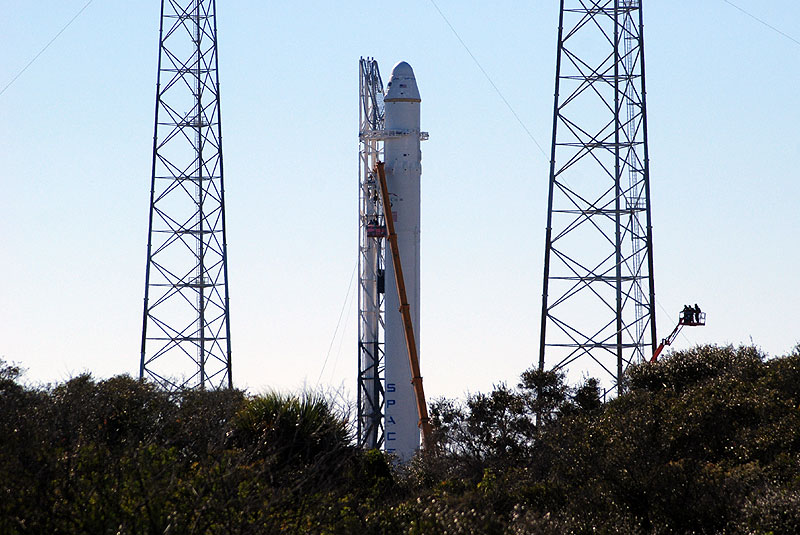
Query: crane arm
[
  {"x": 667, "y": 341},
  {"x": 411, "y": 344}
]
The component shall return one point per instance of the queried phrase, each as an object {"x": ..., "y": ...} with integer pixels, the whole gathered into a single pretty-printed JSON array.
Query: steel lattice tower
[
  {"x": 186, "y": 329},
  {"x": 598, "y": 293},
  {"x": 371, "y": 256}
]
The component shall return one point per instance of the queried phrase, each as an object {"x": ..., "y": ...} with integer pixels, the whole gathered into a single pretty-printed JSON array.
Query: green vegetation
[{"x": 706, "y": 441}]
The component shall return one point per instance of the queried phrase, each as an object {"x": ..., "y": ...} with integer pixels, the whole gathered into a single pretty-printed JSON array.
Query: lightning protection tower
[
  {"x": 598, "y": 298},
  {"x": 186, "y": 330},
  {"x": 371, "y": 256}
]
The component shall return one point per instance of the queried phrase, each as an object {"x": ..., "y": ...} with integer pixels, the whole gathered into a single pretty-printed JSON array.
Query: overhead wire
[
  {"x": 338, "y": 324},
  {"x": 765, "y": 23},
  {"x": 489, "y": 78},
  {"x": 341, "y": 338},
  {"x": 42, "y": 51}
]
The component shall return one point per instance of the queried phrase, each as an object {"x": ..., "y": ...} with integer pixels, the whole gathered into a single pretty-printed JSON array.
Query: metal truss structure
[
  {"x": 186, "y": 330},
  {"x": 371, "y": 256},
  {"x": 598, "y": 302}
]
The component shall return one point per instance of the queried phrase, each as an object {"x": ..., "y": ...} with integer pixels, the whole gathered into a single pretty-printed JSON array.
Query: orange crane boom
[{"x": 411, "y": 343}]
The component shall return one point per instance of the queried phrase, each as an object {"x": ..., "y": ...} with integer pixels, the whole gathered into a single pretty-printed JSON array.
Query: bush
[{"x": 706, "y": 441}]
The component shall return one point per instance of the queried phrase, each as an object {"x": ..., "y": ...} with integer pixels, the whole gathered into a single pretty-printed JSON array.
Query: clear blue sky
[{"x": 76, "y": 153}]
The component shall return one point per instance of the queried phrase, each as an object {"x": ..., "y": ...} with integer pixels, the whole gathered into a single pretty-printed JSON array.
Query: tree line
[{"x": 706, "y": 441}]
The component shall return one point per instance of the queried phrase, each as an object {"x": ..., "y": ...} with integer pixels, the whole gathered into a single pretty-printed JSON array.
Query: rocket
[{"x": 403, "y": 160}]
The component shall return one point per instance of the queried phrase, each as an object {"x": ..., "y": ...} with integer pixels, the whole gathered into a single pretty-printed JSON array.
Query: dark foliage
[{"x": 706, "y": 441}]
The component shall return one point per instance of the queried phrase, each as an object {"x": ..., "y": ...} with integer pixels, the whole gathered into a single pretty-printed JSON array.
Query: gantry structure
[
  {"x": 598, "y": 300},
  {"x": 370, "y": 398},
  {"x": 186, "y": 325}
]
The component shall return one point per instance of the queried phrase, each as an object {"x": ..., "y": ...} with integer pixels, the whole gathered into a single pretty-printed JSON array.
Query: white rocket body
[{"x": 403, "y": 170}]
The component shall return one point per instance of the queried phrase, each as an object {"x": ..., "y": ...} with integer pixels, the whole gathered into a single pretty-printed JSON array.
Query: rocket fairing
[{"x": 403, "y": 161}]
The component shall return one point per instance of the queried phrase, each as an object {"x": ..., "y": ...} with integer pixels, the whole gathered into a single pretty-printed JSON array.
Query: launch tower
[
  {"x": 371, "y": 255},
  {"x": 598, "y": 297},
  {"x": 186, "y": 330}
]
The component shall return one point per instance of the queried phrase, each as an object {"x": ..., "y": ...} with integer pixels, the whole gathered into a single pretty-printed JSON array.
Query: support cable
[
  {"x": 338, "y": 323},
  {"x": 62, "y": 30},
  {"x": 347, "y": 317},
  {"x": 489, "y": 78},
  {"x": 765, "y": 23}
]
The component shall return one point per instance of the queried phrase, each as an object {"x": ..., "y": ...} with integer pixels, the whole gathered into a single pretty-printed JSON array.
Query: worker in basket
[{"x": 688, "y": 314}]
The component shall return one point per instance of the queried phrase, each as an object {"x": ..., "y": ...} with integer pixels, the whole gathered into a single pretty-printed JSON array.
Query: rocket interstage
[{"x": 403, "y": 170}]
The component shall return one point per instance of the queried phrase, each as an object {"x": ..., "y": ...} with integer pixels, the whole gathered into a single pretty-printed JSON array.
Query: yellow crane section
[{"x": 411, "y": 343}]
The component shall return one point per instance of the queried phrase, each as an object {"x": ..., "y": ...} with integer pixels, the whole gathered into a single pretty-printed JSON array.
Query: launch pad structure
[
  {"x": 370, "y": 397},
  {"x": 390, "y": 410},
  {"x": 598, "y": 299},
  {"x": 598, "y": 294}
]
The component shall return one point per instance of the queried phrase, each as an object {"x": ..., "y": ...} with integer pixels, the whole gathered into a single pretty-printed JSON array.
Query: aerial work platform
[{"x": 688, "y": 317}]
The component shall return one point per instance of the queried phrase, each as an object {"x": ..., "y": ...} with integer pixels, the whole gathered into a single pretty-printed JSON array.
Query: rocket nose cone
[
  {"x": 402, "y": 84},
  {"x": 403, "y": 69}
]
